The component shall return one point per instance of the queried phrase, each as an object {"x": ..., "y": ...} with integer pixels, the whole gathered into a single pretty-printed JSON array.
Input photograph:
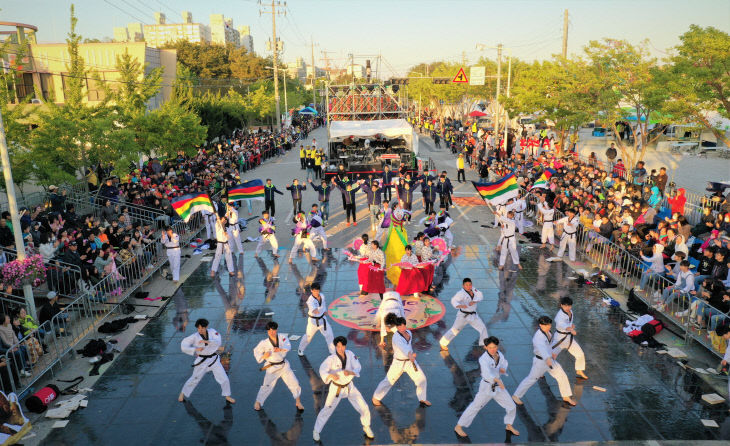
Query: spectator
[{"x": 677, "y": 201}]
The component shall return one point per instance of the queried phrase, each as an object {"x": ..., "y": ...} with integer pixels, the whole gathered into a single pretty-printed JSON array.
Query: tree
[
  {"x": 71, "y": 138},
  {"x": 136, "y": 85},
  {"x": 699, "y": 79},
  {"x": 169, "y": 129},
  {"x": 558, "y": 89},
  {"x": 632, "y": 88}
]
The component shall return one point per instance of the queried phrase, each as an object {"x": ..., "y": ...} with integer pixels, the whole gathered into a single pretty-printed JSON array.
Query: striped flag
[
  {"x": 499, "y": 191},
  {"x": 544, "y": 179},
  {"x": 250, "y": 190},
  {"x": 188, "y": 204}
]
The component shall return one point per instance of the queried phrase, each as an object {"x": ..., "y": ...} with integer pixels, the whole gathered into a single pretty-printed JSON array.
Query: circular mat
[{"x": 355, "y": 311}]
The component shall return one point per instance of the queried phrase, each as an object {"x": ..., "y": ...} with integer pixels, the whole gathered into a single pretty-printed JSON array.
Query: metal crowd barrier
[
  {"x": 61, "y": 277},
  {"x": 627, "y": 270}
]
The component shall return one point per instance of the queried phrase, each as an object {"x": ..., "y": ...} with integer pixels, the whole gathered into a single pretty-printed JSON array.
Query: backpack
[
  {"x": 636, "y": 305},
  {"x": 93, "y": 348}
]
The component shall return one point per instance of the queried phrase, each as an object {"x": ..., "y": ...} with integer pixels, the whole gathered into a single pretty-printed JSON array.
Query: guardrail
[
  {"x": 627, "y": 271},
  {"x": 61, "y": 277}
]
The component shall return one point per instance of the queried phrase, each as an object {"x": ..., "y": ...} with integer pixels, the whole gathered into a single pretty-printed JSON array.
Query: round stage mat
[{"x": 355, "y": 311}]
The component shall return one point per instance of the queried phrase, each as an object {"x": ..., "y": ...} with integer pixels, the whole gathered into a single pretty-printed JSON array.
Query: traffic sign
[
  {"x": 460, "y": 77},
  {"x": 477, "y": 75}
]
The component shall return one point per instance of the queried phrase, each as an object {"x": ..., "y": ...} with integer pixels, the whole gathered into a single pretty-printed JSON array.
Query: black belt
[
  {"x": 547, "y": 221},
  {"x": 340, "y": 387},
  {"x": 570, "y": 234},
  {"x": 467, "y": 312},
  {"x": 271, "y": 364},
  {"x": 567, "y": 334},
  {"x": 173, "y": 247},
  {"x": 415, "y": 367},
  {"x": 508, "y": 236},
  {"x": 518, "y": 212},
  {"x": 203, "y": 358},
  {"x": 494, "y": 384},
  {"x": 540, "y": 358},
  {"x": 318, "y": 319},
  {"x": 221, "y": 243}
]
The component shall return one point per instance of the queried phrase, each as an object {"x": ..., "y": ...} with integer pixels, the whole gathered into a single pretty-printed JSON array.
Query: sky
[{"x": 403, "y": 32}]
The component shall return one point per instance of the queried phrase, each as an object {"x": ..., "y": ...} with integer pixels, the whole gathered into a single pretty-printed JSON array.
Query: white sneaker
[
  {"x": 638, "y": 289},
  {"x": 315, "y": 435},
  {"x": 300, "y": 353},
  {"x": 683, "y": 313},
  {"x": 368, "y": 432}
]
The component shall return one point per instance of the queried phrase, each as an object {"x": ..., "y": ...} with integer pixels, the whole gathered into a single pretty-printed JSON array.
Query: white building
[
  {"x": 222, "y": 31},
  {"x": 245, "y": 38}
]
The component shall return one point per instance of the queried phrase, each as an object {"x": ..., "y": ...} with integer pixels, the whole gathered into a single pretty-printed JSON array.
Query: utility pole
[
  {"x": 565, "y": 33},
  {"x": 13, "y": 205},
  {"x": 314, "y": 76},
  {"x": 275, "y": 48},
  {"x": 496, "y": 96},
  {"x": 286, "y": 103},
  {"x": 509, "y": 80}
]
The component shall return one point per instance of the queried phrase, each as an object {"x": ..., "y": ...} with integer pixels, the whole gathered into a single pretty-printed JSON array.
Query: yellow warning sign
[{"x": 460, "y": 77}]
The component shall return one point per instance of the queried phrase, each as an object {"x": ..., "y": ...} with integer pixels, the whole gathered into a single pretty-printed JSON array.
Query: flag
[
  {"x": 499, "y": 191},
  {"x": 187, "y": 205},
  {"x": 394, "y": 248},
  {"x": 544, "y": 179},
  {"x": 250, "y": 190}
]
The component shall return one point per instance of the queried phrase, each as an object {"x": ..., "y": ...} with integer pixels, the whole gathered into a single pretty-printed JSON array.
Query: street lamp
[{"x": 499, "y": 48}]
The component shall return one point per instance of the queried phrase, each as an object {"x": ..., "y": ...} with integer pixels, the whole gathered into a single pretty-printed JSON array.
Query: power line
[
  {"x": 165, "y": 6},
  {"x": 124, "y": 11},
  {"x": 134, "y": 7}
]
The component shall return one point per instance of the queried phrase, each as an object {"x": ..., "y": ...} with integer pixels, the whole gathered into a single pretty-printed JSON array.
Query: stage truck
[{"x": 367, "y": 129}]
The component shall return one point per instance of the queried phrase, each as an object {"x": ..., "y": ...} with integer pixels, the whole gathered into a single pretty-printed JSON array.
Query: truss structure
[{"x": 363, "y": 102}]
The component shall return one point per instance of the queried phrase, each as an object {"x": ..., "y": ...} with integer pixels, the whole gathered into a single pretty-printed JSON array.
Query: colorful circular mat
[{"x": 355, "y": 311}]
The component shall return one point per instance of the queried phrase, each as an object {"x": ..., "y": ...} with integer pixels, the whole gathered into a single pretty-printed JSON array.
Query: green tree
[
  {"x": 699, "y": 79},
  {"x": 632, "y": 88},
  {"x": 168, "y": 129}
]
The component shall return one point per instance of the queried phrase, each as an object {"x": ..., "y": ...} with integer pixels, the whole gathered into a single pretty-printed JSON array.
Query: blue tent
[{"x": 308, "y": 111}]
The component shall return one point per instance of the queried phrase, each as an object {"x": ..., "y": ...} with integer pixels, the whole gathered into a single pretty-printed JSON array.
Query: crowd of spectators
[{"x": 634, "y": 210}]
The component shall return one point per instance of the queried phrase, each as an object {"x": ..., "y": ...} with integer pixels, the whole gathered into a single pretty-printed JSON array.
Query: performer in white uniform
[
  {"x": 519, "y": 207},
  {"x": 267, "y": 229},
  {"x": 565, "y": 336},
  {"x": 492, "y": 363},
  {"x": 203, "y": 345},
  {"x": 302, "y": 238},
  {"x": 404, "y": 360},
  {"x": 444, "y": 222},
  {"x": 317, "y": 225},
  {"x": 465, "y": 301},
  {"x": 507, "y": 240},
  {"x": 544, "y": 362},
  {"x": 391, "y": 304},
  {"x": 499, "y": 209},
  {"x": 316, "y": 321},
  {"x": 339, "y": 370},
  {"x": 222, "y": 247},
  {"x": 272, "y": 351},
  {"x": 209, "y": 218},
  {"x": 548, "y": 227},
  {"x": 724, "y": 332},
  {"x": 172, "y": 245},
  {"x": 234, "y": 231},
  {"x": 570, "y": 228}
]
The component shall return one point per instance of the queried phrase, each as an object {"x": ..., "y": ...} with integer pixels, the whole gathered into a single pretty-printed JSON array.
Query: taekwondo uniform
[
  {"x": 465, "y": 316},
  {"x": 276, "y": 366},
  {"x": 548, "y": 228},
  {"x": 489, "y": 389},
  {"x": 233, "y": 228},
  {"x": 507, "y": 241},
  {"x": 172, "y": 245},
  {"x": 318, "y": 232},
  {"x": 402, "y": 350},
  {"x": 499, "y": 209},
  {"x": 317, "y": 321},
  {"x": 519, "y": 207},
  {"x": 569, "y": 237},
  {"x": 302, "y": 239},
  {"x": 267, "y": 229},
  {"x": 206, "y": 360},
  {"x": 564, "y": 339},
  {"x": 222, "y": 248},
  {"x": 391, "y": 303},
  {"x": 444, "y": 222},
  {"x": 542, "y": 348},
  {"x": 209, "y": 219},
  {"x": 340, "y": 388}
]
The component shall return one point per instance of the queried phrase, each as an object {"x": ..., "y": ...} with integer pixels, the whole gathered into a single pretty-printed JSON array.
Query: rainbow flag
[
  {"x": 250, "y": 190},
  {"x": 544, "y": 179},
  {"x": 187, "y": 205},
  {"x": 499, "y": 191}
]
